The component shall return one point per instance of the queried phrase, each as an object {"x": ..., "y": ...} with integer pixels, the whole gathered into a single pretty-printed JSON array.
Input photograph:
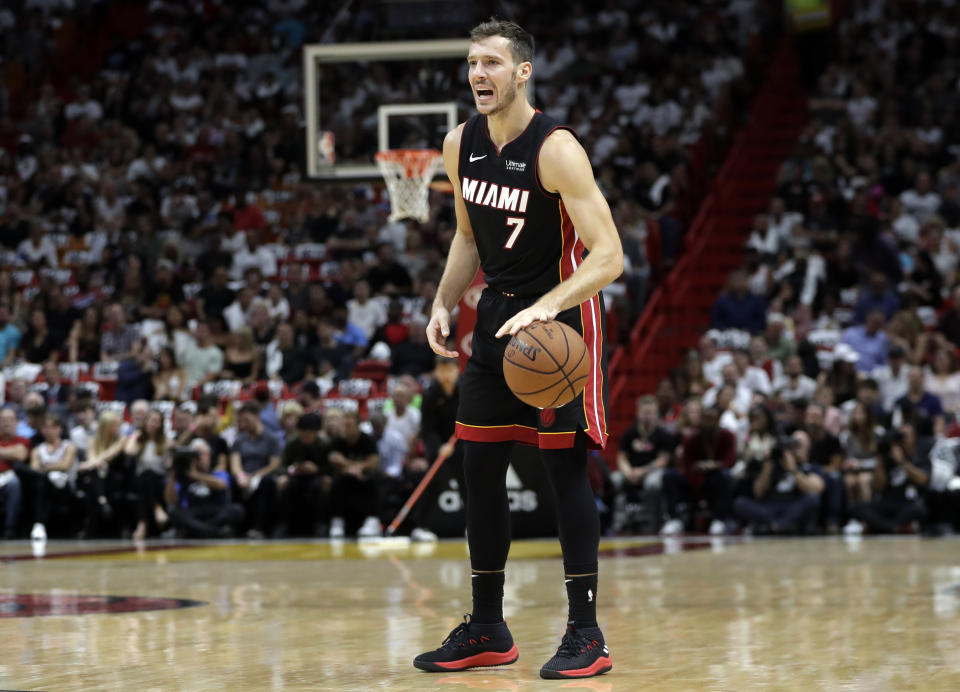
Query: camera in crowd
[
  {"x": 784, "y": 444},
  {"x": 184, "y": 459}
]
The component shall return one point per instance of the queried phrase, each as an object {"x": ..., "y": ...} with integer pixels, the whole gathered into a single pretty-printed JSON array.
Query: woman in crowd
[
  {"x": 53, "y": 460},
  {"x": 99, "y": 476},
  {"x": 241, "y": 360},
  {"x": 84, "y": 340},
  {"x": 943, "y": 381},
  {"x": 860, "y": 444},
  {"x": 169, "y": 379},
  {"x": 149, "y": 445},
  {"x": 38, "y": 344}
]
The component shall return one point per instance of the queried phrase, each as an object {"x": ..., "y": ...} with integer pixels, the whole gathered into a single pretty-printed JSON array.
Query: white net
[{"x": 408, "y": 173}]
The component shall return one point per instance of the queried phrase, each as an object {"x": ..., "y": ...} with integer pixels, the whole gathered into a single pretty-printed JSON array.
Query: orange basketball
[{"x": 546, "y": 364}]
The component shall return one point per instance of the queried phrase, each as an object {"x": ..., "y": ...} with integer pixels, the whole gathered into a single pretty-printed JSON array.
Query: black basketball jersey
[{"x": 526, "y": 240}]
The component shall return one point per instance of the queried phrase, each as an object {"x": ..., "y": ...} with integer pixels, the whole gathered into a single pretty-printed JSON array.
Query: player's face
[{"x": 492, "y": 74}]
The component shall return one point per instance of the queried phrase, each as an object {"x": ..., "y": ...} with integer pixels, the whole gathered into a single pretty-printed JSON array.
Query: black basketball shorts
[{"x": 489, "y": 412}]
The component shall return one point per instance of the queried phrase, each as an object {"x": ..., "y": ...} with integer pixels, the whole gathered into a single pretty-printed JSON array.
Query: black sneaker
[
  {"x": 582, "y": 654},
  {"x": 470, "y": 645}
]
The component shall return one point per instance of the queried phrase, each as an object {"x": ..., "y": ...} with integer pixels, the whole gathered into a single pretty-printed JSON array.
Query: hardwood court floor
[{"x": 818, "y": 614}]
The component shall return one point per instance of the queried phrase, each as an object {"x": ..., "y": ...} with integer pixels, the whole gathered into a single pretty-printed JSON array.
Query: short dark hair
[
  {"x": 250, "y": 407},
  {"x": 521, "y": 42}
]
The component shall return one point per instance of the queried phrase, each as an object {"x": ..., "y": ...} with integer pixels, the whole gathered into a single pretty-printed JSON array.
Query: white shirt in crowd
[
  {"x": 407, "y": 425},
  {"x": 369, "y": 316},
  {"x": 261, "y": 258},
  {"x": 46, "y": 251},
  {"x": 713, "y": 370},
  {"x": 892, "y": 385},
  {"x": 802, "y": 388},
  {"x": 921, "y": 206}
]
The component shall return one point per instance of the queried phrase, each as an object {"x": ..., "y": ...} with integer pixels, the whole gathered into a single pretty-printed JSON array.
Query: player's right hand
[{"x": 438, "y": 330}]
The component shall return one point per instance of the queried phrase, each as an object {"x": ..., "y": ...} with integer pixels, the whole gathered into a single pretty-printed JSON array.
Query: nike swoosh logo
[
  {"x": 567, "y": 581},
  {"x": 476, "y": 158}
]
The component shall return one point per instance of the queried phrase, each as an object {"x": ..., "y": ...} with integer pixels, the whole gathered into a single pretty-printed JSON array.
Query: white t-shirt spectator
[
  {"x": 407, "y": 425},
  {"x": 906, "y": 228},
  {"x": 861, "y": 110},
  {"x": 199, "y": 362},
  {"x": 45, "y": 252},
  {"x": 802, "y": 388},
  {"x": 921, "y": 206},
  {"x": 235, "y": 316},
  {"x": 891, "y": 386},
  {"x": 368, "y": 316},
  {"x": 260, "y": 258},
  {"x": 89, "y": 109},
  {"x": 713, "y": 370}
]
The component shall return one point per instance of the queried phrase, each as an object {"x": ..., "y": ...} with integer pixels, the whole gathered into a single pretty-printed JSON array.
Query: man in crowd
[
  {"x": 704, "y": 472},
  {"x": 892, "y": 377},
  {"x": 918, "y": 406},
  {"x": 9, "y": 335},
  {"x": 645, "y": 451},
  {"x": 899, "y": 483},
  {"x": 121, "y": 341},
  {"x": 305, "y": 489},
  {"x": 203, "y": 359},
  {"x": 785, "y": 494},
  {"x": 254, "y": 460},
  {"x": 355, "y": 461},
  {"x": 869, "y": 341},
  {"x": 826, "y": 453},
  {"x": 199, "y": 496},
  {"x": 14, "y": 450}
]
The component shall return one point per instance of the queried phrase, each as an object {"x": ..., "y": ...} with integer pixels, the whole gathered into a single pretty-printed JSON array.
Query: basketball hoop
[{"x": 408, "y": 173}]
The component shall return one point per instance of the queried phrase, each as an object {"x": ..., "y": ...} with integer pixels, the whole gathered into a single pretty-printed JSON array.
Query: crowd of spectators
[
  {"x": 171, "y": 284},
  {"x": 826, "y": 396}
]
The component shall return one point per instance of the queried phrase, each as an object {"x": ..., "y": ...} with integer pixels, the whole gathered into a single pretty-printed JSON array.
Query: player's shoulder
[
  {"x": 451, "y": 140},
  {"x": 562, "y": 143}
]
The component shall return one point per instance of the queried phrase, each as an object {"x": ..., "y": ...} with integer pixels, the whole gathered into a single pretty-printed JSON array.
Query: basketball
[{"x": 546, "y": 364}]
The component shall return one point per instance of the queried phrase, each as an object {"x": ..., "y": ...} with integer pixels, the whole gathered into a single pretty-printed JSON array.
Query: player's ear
[{"x": 524, "y": 71}]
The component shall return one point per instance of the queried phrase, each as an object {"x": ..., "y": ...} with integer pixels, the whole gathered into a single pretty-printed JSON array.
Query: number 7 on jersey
[{"x": 517, "y": 223}]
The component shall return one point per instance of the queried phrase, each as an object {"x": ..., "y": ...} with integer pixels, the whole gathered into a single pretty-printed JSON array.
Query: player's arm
[
  {"x": 565, "y": 168},
  {"x": 463, "y": 260}
]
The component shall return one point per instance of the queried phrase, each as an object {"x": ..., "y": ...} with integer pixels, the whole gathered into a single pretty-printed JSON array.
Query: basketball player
[{"x": 527, "y": 209}]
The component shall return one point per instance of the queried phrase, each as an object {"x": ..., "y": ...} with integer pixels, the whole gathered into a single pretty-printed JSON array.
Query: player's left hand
[{"x": 524, "y": 318}]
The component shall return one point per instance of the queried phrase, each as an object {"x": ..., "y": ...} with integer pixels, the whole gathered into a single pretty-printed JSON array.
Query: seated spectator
[
  {"x": 869, "y": 341},
  {"x": 202, "y": 360},
  {"x": 83, "y": 343},
  {"x": 38, "y": 251},
  {"x": 150, "y": 448},
  {"x": 948, "y": 326},
  {"x": 918, "y": 404},
  {"x": 38, "y": 344},
  {"x": 367, "y": 313},
  {"x": 57, "y": 395},
  {"x": 899, "y": 482},
  {"x": 85, "y": 426},
  {"x": 703, "y": 473},
  {"x": 860, "y": 444},
  {"x": 198, "y": 496},
  {"x": 730, "y": 377},
  {"x": 892, "y": 377},
  {"x": 241, "y": 360},
  {"x": 876, "y": 296},
  {"x": 254, "y": 460},
  {"x": 738, "y": 308},
  {"x": 135, "y": 377},
  {"x": 355, "y": 460},
  {"x": 13, "y": 450},
  {"x": 711, "y": 360},
  {"x": 35, "y": 412},
  {"x": 394, "y": 330},
  {"x": 216, "y": 295},
  {"x": 943, "y": 381},
  {"x": 755, "y": 379},
  {"x": 329, "y": 354},
  {"x": 645, "y": 451},
  {"x": 922, "y": 200},
  {"x": 284, "y": 358},
  {"x": 237, "y": 313},
  {"x": 387, "y": 276},
  {"x": 101, "y": 476},
  {"x": 169, "y": 378},
  {"x": 785, "y": 494},
  {"x": 138, "y": 414},
  {"x": 120, "y": 341},
  {"x": 9, "y": 335},
  {"x": 793, "y": 385},
  {"x": 205, "y": 428},
  {"x": 414, "y": 356},
  {"x": 182, "y": 424},
  {"x": 305, "y": 487},
  {"x": 53, "y": 461},
  {"x": 163, "y": 292},
  {"x": 826, "y": 454}
]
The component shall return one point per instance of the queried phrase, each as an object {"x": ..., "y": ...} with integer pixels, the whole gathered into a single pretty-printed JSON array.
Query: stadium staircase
[{"x": 678, "y": 312}]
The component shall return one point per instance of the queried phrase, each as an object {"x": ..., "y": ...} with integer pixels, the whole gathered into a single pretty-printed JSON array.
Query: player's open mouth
[{"x": 484, "y": 93}]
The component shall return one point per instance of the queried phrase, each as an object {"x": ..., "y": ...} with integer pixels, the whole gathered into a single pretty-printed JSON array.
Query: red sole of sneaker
[
  {"x": 484, "y": 660},
  {"x": 598, "y": 667}
]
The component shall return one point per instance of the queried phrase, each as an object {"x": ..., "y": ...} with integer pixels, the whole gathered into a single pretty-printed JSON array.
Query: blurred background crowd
[{"x": 197, "y": 339}]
